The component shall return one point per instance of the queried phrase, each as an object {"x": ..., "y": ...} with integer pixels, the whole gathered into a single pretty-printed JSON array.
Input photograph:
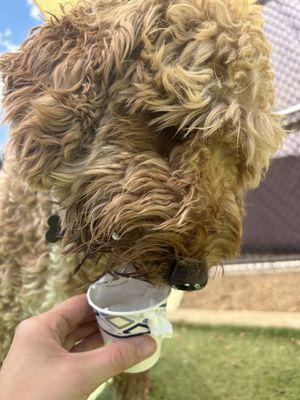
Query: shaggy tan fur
[{"x": 141, "y": 121}]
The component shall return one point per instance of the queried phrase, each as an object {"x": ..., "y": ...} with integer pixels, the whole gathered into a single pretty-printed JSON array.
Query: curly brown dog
[{"x": 140, "y": 125}]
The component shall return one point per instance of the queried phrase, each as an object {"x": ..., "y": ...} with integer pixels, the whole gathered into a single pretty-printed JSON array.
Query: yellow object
[{"x": 53, "y": 6}]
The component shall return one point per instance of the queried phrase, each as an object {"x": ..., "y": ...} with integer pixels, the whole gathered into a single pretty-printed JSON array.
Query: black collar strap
[{"x": 54, "y": 232}]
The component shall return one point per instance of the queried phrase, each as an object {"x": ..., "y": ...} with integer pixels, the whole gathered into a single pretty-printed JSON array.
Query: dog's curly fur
[{"x": 142, "y": 124}]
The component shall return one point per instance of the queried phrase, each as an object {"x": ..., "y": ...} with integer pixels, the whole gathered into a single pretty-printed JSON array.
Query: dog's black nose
[{"x": 188, "y": 277}]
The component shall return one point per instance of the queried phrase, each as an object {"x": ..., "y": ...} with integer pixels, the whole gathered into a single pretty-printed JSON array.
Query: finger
[
  {"x": 91, "y": 342},
  {"x": 81, "y": 332},
  {"x": 62, "y": 319},
  {"x": 112, "y": 359},
  {"x": 88, "y": 319}
]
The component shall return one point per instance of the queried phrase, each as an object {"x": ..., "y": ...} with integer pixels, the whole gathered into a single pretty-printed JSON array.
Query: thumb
[{"x": 99, "y": 365}]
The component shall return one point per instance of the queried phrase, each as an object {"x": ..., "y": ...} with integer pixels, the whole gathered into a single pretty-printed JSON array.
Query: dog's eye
[
  {"x": 167, "y": 140},
  {"x": 172, "y": 134}
]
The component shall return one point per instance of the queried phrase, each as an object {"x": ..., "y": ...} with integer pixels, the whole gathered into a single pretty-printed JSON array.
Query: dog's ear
[
  {"x": 207, "y": 73},
  {"x": 56, "y": 88},
  {"x": 44, "y": 82}
]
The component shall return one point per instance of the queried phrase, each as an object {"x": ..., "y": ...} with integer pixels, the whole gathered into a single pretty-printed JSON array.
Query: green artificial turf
[{"x": 227, "y": 363}]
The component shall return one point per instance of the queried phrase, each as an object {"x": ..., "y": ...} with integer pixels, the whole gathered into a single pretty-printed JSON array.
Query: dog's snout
[{"x": 188, "y": 277}]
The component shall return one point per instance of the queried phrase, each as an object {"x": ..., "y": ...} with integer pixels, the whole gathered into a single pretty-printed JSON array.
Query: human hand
[{"x": 47, "y": 361}]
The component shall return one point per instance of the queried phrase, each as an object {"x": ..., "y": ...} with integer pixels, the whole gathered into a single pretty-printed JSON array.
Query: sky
[{"x": 17, "y": 18}]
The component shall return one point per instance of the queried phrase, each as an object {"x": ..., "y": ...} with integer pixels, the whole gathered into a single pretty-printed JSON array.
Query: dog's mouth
[
  {"x": 186, "y": 276},
  {"x": 181, "y": 277}
]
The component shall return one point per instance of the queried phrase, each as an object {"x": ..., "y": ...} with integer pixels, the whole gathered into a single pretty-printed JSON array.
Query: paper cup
[{"x": 127, "y": 307}]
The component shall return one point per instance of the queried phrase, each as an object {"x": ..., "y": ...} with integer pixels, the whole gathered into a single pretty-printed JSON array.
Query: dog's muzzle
[{"x": 188, "y": 277}]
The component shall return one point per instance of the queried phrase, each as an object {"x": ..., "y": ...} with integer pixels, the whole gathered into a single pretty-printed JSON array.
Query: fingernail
[{"x": 146, "y": 346}]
